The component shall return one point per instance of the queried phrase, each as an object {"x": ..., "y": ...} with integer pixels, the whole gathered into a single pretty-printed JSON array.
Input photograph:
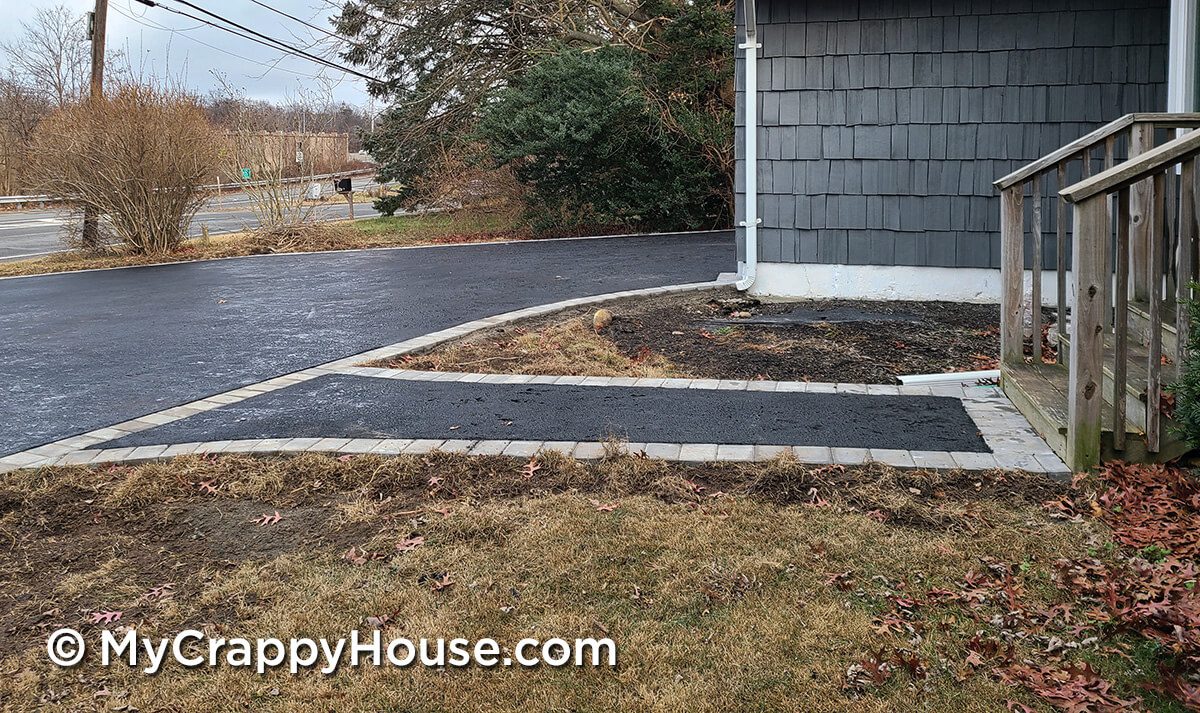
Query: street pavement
[
  {"x": 32, "y": 233},
  {"x": 86, "y": 350}
]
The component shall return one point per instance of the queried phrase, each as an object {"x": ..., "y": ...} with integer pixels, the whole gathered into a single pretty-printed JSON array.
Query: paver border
[
  {"x": 1014, "y": 443},
  {"x": 580, "y": 450}
]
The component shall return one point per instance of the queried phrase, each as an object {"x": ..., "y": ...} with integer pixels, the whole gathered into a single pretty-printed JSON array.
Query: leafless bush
[
  {"x": 455, "y": 181},
  {"x": 138, "y": 155},
  {"x": 269, "y": 160}
]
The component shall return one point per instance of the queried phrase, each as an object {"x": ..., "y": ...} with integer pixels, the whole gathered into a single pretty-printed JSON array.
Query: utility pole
[{"x": 99, "y": 27}]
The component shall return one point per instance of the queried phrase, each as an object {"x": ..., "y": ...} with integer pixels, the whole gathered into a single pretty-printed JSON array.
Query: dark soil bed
[
  {"x": 728, "y": 336},
  {"x": 722, "y": 334}
]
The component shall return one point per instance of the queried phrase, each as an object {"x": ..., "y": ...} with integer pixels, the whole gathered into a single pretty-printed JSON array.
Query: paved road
[
  {"x": 86, "y": 350},
  {"x": 29, "y": 233},
  {"x": 341, "y": 406}
]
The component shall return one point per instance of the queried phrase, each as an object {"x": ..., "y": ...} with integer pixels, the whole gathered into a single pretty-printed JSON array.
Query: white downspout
[
  {"x": 749, "y": 268},
  {"x": 1182, "y": 57}
]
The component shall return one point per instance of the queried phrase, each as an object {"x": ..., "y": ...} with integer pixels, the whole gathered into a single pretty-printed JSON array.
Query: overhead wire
[
  {"x": 182, "y": 32},
  {"x": 265, "y": 40}
]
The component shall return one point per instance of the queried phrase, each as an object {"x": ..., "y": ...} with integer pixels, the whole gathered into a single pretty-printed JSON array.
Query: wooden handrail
[
  {"x": 1094, "y": 139},
  {"x": 1135, "y": 169}
]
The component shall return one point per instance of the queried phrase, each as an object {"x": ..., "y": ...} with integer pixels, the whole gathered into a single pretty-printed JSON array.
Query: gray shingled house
[{"x": 882, "y": 125}]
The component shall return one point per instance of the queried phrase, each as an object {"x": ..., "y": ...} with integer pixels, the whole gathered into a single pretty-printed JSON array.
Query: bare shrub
[{"x": 139, "y": 156}]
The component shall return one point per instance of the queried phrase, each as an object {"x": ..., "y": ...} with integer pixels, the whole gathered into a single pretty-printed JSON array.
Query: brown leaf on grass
[
  {"x": 911, "y": 662},
  {"x": 378, "y": 622},
  {"x": 208, "y": 487},
  {"x": 844, "y": 581},
  {"x": 530, "y": 468},
  {"x": 443, "y": 583},
  {"x": 443, "y": 511},
  {"x": 604, "y": 507},
  {"x": 105, "y": 617},
  {"x": 409, "y": 544},
  {"x": 266, "y": 519},
  {"x": 1075, "y": 688},
  {"x": 359, "y": 557},
  {"x": 878, "y": 516},
  {"x": 162, "y": 592},
  {"x": 873, "y": 671}
]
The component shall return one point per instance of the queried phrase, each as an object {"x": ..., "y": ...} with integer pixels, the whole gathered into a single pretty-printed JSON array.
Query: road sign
[{"x": 246, "y": 174}]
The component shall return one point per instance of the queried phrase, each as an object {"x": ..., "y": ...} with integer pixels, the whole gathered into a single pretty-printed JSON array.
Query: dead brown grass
[
  {"x": 467, "y": 226},
  {"x": 717, "y": 583},
  {"x": 567, "y": 348}
]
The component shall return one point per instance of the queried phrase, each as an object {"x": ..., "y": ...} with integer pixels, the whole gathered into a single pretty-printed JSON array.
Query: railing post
[
  {"x": 1035, "y": 282},
  {"x": 1159, "y": 220},
  {"x": 1085, "y": 396},
  {"x": 1061, "y": 265},
  {"x": 1012, "y": 274},
  {"x": 1141, "y": 140},
  {"x": 1187, "y": 258}
]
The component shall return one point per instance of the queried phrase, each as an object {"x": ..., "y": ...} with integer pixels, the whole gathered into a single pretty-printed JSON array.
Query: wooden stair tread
[{"x": 1045, "y": 387}]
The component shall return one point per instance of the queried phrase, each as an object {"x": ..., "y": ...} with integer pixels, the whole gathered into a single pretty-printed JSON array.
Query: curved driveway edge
[
  {"x": 85, "y": 350},
  {"x": 55, "y": 451}
]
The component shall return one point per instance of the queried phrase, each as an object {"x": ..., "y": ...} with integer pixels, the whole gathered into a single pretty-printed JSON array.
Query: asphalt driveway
[{"x": 85, "y": 350}]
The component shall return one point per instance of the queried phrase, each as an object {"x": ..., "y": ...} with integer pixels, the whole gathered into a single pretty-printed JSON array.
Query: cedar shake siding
[{"x": 885, "y": 122}]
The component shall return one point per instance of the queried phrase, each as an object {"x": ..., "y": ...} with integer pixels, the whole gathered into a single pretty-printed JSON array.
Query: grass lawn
[
  {"x": 471, "y": 225},
  {"x": 750, "y": 587}
]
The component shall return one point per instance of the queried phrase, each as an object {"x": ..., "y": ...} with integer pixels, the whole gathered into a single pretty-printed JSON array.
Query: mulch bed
[{"x": 726, "y": 335}]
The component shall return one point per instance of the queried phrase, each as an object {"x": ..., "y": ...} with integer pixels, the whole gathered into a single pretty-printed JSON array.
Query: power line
[
  {"x": 266, "y": 40},
  {"x": 282, "y": 44},
  {"x": 183, "y": 33},
  {"x": 309, "y": 24}
]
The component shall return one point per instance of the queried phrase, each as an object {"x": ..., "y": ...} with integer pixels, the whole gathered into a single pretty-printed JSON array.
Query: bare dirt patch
[
  {"x": 723, "y": 335},
  {"x": 818, "y": 588}
]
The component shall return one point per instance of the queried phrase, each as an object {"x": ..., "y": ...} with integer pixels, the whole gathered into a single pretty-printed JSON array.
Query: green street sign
[{"x": 245, "y": 174}]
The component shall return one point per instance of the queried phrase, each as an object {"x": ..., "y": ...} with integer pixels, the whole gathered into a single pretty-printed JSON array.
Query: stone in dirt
[{"x": 602, "y": 319}]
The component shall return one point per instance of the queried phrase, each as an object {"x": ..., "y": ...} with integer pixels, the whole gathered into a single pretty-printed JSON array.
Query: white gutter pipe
[{"x": 749, "y": 268}]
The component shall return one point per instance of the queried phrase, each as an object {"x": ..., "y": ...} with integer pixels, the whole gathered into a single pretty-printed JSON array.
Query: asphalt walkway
[{"x": 349, "y": 406}]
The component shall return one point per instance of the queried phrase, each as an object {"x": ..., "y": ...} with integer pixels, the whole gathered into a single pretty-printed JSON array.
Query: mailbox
[{"x": 342, "y": 185}]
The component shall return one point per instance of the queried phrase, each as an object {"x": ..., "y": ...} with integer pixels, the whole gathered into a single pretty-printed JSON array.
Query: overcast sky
[{"x": 262, "y": 72}]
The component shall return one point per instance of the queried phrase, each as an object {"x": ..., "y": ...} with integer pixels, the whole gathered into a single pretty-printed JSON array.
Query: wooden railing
[{"x": 1150, "y": 259}]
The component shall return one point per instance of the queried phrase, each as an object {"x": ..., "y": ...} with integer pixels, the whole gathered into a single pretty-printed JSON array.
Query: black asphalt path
[
  {"x": 340, "y": 406},
  {"x": 87, "y": 350}
]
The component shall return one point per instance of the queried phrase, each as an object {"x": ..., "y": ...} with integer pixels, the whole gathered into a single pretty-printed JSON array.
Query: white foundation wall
[{"x": 879, "y": 282}]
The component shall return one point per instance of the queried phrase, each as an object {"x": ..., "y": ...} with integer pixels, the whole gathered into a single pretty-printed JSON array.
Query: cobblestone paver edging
[{"x": 1014, "y": 443}]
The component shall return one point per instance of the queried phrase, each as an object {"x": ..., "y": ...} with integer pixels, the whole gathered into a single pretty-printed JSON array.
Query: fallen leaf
[
  {"x": 266, "y": 519},
  {"x": 105, "y": 617},
  {"x": 409, "y": 544}
]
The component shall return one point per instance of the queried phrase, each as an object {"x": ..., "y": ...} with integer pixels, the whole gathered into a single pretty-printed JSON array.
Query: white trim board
[{"x": 890, "y": 282}]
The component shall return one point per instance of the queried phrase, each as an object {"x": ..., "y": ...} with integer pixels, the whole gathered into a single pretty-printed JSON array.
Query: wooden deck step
[{"x": 1039, "y": 391}]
